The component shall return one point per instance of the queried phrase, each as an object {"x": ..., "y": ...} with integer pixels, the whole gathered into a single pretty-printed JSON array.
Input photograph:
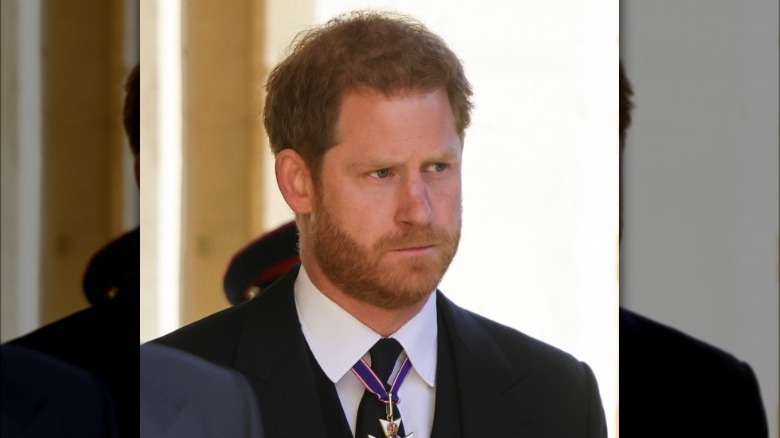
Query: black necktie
[{"x": 383, "y": 357}]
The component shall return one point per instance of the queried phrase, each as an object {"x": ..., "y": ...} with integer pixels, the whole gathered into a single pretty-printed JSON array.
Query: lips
[
  {"x": 410, "y": 245},
  {"x": 415, "y": 249}
]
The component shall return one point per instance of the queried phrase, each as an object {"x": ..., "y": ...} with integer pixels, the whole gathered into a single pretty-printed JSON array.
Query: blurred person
[
  {"x": 366, "y": 117},
  {"x": 103, "y": 338},
  {"x": 259, "y": 263},
  {"x": 42, "y": 396},
  {"x": 185, "y": 396},
  {"x": 672, "y": 384}
]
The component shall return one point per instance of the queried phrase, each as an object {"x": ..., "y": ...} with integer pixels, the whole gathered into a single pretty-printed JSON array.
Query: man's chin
[
  {"x": 399, "y": 298},
  {"x": 411, "y": 284},
  {"x": 391, "y": 286}
]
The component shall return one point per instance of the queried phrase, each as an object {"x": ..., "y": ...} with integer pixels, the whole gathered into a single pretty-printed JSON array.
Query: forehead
[{"x": 371, "y": 122}]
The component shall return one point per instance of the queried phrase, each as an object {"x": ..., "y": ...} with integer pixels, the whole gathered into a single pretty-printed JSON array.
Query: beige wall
[
  {"x": 82, "y": 144},
  {"x": 8, "y": 160},
  {"x": 221, "y": 191},
  {"x": 149, "y": 162}
]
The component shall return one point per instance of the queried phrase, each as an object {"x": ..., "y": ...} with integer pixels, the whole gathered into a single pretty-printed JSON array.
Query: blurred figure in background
[
  {"x": 185, "y": 396},
  {"x": 42, "y": 396},
  {"x": 261, "y": 262},
  {"x": 674, "y": 385},
  {"x": 103, "y": 339}
]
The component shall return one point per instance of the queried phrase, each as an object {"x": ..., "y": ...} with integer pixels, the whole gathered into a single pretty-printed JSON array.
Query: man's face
[{"x": 385, "y": 222}]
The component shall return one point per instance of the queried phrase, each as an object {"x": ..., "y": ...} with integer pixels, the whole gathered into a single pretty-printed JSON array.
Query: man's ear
[{"x": 294, "y": 180}]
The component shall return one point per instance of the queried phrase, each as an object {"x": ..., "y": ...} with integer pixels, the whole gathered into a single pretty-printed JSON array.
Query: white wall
[{"x": 700, "y": 244}]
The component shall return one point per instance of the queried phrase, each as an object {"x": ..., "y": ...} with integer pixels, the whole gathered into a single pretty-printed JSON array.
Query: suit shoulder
[
  {"x": 544, "y": 382},
  {"x": 71, "y": 326},
  {"x": 214, "y": 337},
  {"x": 519, "y": 349},
  {"x": 661, "y": 362},
  {"x": 522, "y": 347},
  {"x": 217, "y": 337},
  {"x": 163, "y": 366},
  {"x": 221, "y": 404},
  {"x": 654, "y": 356},
  {"x": 646, "y": 337}
]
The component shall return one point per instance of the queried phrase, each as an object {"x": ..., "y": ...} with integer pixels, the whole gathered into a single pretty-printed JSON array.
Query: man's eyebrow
[
  {"x": 448, "y": 155},
  {"x": 373, "y": 163}
]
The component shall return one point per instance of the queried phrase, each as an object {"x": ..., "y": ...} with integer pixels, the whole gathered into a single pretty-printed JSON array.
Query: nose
[{"x": 414, "y": 207}]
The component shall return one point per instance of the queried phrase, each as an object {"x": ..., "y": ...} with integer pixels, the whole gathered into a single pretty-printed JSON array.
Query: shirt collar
[{"x": 326, "y": 325}]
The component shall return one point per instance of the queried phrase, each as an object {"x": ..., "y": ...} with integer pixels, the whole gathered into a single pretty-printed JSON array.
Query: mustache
[{"x": 414, "y": 238}]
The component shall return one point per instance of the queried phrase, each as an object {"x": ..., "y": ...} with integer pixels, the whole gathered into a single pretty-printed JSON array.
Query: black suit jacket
[
  {"x": 508, "y": 384},
  {"x": 674, "y": 385}
]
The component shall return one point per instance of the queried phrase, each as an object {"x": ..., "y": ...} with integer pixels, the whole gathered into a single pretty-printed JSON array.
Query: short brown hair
[
  {"x": 132, "y": 109},
  {"x": 382, "y": 51}
]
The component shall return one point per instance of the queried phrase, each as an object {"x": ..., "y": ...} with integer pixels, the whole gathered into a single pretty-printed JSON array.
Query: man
[
  {"x": 103, "y": 339},
  {"x": 674, "y": 385},
  {"x": 366, "y": 117}
]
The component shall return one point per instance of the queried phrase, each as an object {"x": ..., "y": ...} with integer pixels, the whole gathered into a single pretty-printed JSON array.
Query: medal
[
  {"x": 391, "y": 427},
  {"x": 373, "y": 384}
]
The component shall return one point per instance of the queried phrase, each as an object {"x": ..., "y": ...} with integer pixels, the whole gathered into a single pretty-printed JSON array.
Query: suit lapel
[
  {"x": 447, "y": 415},
  {"x": 273, "y": 354},
  {"x": 482, "y": 373}
]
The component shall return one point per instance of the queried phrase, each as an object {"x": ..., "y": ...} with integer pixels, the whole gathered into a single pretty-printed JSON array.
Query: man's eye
[
  {"x": 437, "y": 167},
  {"x": 381, "y": 173}
]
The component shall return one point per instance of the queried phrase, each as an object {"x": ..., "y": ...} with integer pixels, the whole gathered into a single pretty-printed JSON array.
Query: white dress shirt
[{"x": 338, "y": 340}]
